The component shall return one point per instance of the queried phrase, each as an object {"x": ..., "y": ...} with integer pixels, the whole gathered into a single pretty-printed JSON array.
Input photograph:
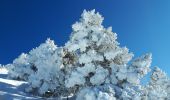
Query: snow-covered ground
[{"x": 12, "y": 89}]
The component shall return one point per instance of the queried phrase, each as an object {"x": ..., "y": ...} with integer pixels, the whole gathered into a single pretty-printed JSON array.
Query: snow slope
[{"x": 12, "y": 89}]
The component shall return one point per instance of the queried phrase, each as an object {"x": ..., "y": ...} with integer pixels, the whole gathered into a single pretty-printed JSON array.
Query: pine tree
[
  {"x": 159, "y": 85},
  {"x": 20, "y": 68},
  {"x": 96, "y": 50},
  {"x": 47, "y": 61},
  {"x": 90, "y": 66}
]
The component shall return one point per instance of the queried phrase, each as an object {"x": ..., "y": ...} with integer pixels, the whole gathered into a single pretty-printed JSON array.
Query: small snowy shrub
[
  {"x": 20, "y": 68},
  {"x": 159, "y": 86},
  {"x": 90, "y": 66},
  {"x": 47, "y": 60}
]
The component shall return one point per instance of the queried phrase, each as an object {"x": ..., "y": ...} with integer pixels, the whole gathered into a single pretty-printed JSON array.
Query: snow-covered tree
[
  {"x": 96, "y": 50},
  {"x": 47, "y": 60},
  {"x": 105, "y": 92},
  {"x": 90, "y": 66},
  {"x": 41, "y": 67},
  {"x": 20, "y": 68},
  {"x": 159, "y": 85}
]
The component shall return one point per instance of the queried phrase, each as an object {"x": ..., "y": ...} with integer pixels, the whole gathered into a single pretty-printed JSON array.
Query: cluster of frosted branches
[{"x": 90, "y": 66}]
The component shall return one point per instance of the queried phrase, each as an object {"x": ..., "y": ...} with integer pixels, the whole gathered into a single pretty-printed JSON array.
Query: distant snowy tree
[
  {"x": 159, "y": 85},
  {"x": 90, "y": 66},
  {"x": 20, "y": 68}
]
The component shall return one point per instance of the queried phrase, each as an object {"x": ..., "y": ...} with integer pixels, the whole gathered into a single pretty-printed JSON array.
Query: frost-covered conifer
[
  {"x": 159, "y": 85},
  {"x": 105, "y": 92},
  {"x": 139, "y": 68},
  {"x": 47, "y": 60},
  {"x": 91, "y": 66},
  {"x": 20, "y": 68},
  {"x": 96, "y": 49},
  {"x": 41, "y": 67}
]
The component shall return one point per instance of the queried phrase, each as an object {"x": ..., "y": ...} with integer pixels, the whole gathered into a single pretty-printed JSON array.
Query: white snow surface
[
  {"x": 15, "y": 90},
  {"x": 12, "y": 89}
]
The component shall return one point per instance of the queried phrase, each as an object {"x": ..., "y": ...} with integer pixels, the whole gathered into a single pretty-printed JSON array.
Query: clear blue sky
[{"x": 142, "y": 25}]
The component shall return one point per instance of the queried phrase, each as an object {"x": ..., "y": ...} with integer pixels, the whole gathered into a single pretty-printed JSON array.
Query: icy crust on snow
[{"x": 90, "y": 66}]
